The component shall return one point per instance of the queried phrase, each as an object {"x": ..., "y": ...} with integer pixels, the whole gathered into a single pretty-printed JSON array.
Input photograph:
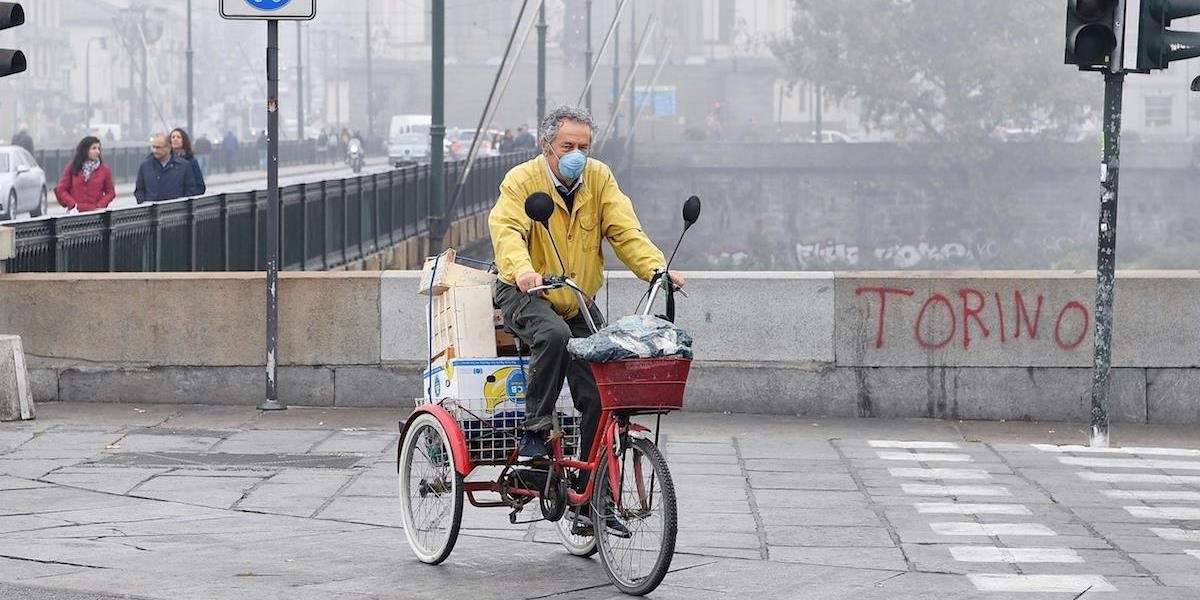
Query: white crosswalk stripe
[
  {"x": 1130, "y": 450},
  {"x": 913, "y": 445},
  {"x": 1014, "y": 555},
  {"x": 1070, "y": 584},
  {"x": 1129, "y": 463},
  {"x": 925, "y": 456},
  {"x": 1176, "y": 495},
  {"x": 991, "y": 529},
  {"x": 1176, "y": 534},
  {"x": 1139, "y": 478},
  {"x": 934, "y": 473},
  {"x": 930, "y": 489},
  {"x": 1171, "y": 513},
  {"x": 959, "y": 508}
]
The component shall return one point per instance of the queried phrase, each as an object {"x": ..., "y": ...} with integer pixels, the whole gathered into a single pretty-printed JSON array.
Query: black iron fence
[
  {"x": 324, "y": 225},
  {"x": 125, "y": 160}
]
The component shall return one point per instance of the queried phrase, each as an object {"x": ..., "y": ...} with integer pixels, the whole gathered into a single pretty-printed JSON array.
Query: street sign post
[
  {"x": 272, "y": 11},
  {"x": 257, "y": 10}
]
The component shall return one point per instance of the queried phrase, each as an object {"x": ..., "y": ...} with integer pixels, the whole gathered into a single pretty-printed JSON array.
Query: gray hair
[{"x": 549, "y": 126}]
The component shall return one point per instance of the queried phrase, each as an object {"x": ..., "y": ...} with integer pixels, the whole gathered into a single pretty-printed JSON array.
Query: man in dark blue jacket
[{"x": 163, "y": 176}]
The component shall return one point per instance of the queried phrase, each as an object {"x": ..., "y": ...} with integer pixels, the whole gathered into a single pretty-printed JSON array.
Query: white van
[{"x": 402, "y": 124}]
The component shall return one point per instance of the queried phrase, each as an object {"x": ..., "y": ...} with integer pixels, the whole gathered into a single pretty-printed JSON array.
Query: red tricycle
[{"x": 618, "y": 501}]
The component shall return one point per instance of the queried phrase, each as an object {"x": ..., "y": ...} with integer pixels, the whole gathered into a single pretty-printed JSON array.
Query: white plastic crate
[{"x": 492, "y": 435}]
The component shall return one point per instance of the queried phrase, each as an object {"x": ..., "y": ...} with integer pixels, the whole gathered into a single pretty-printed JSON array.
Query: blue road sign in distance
[
  {"x": 269, "y": 9},
  {"x": 268, "y": 4}
]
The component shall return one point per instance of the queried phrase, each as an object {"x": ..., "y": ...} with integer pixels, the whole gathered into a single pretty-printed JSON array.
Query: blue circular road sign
[{"x": 268, "y": 4}]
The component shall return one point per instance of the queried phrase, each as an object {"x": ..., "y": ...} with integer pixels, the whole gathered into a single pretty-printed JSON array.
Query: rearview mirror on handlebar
[
  {"x": 539, "y": 206},
  {"x": 691, "y": 211}
]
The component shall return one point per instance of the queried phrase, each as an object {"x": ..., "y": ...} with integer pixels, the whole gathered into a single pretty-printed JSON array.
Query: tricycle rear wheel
[{"x": 431, "y": 490}]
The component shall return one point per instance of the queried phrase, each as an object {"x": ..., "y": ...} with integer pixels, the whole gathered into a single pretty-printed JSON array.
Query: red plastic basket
[{"x": 649, "y": 384}]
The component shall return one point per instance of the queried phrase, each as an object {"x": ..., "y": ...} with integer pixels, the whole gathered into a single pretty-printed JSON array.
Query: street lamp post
[
  {"x": 299, "y": 84},
  {"x": 588, "y": 54},
  {"x": 370, "y": 83}
]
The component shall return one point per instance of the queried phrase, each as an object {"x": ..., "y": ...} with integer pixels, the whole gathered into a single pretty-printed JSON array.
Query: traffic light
[
  {"x": 11, "y": 61},
  {"x": 1091, "y": 33},
  {"x": 1159, "y": 46}
]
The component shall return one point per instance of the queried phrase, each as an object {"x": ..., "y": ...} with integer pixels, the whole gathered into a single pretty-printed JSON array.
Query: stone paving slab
[{"x": 769, "y": 508}]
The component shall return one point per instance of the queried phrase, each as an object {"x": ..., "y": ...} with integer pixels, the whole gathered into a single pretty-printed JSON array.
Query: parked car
[
  {"x": 408, "y": 149},
  {"x": 22, "y": 184}
]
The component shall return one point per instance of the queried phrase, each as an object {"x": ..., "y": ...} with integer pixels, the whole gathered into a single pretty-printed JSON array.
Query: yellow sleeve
[
  {"x": 509, "y": 227},
  {"x": 624, "y": 231}
]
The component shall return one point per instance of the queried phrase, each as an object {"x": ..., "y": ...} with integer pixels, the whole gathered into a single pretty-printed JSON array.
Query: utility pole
[
  {"x": 370, "y": 81},
  {"x": 588, "y": 54},
  {"x": 190, "y": 90},
  {"x": 541, "y": 58},
  {"x": 632, "y": 79},
  {"x": 437, "y": 130},
  {"x": 299, "y": 83}
]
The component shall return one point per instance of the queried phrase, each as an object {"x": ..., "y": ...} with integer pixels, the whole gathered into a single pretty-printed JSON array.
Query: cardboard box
[
  {"x": 450, "y": 274},
  {"x": 463, "y": 319},
  {"x": 497, "y": 383}
]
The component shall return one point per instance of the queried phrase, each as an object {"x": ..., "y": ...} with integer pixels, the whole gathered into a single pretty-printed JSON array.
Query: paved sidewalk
[{"x": 165, "y": 502}]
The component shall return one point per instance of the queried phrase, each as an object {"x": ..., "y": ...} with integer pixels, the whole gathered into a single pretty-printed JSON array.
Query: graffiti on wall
[
  {"x": 832, "y": 254},
  {"x": 971, "y": 315}
]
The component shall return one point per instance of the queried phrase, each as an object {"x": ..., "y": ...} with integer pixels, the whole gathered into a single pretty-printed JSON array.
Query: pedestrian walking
[
  {"x": 86, "y": 183},
  {"x": 229, "y": 149},
  {"x": 322, "y": 140},
  {"x": 525, "y": 140},
  {"x": 181, "y": 147},
  {"x": 203, "y": 148},
  {"x": 23, "y": 139},
  {"x": 162, "y": 176},
  {"x": 262, "y": 146},
  {"x": 331, "y": 147}
]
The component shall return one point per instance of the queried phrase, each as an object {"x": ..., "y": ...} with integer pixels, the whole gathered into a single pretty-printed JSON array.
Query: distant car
[
  {"x": 408, "y": 148},
  {"x": 22, "y": 184},
  {"x": 835, "y": 137}
]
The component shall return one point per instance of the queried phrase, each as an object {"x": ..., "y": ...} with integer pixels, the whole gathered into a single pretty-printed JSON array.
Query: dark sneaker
[
  {"x": 615, "y": 527},
  {"x": 533, "y": 445}
]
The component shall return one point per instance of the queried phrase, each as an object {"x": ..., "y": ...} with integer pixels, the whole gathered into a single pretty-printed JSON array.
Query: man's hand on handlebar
[
  {"x": 529, "y": 281},
  {"x": 677, "y": 279}
]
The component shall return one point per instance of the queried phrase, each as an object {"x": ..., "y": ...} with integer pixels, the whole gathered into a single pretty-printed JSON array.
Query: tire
[
  {"x": 9, "y": 209},
  {"x": 431, "y": 490},
  {"x": 41, "y": 207},
  {"x": 579, "y": 545},
  {"x": 637, "y": 564}
]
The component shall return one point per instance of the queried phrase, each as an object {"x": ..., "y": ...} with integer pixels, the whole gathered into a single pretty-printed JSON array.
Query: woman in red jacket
[{"x": 87, "y": 182}]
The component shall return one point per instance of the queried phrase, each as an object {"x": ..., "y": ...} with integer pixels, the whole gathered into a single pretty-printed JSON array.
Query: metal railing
[
  {"x": 324, "y": 225},
  {"x": 125, "y": 160}
]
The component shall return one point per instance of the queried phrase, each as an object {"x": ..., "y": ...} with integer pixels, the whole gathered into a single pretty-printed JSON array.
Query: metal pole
[
  {"x": 370, "y": 83},
  {"x": 587, "y": 55},
  {"x": 615, "y": 103},
  {"x": 1106, "y": 256},
  {"x": 541, "y": 58},
  {"x": 299, "y": 83},
  {"x": 437, "y": 131},
  {"x": 818, "y": 104},
  {"x": 190, "y": 89},
  {"x": 633, "y": 52},
  {"x": 612, "y": 27},
  {"x": 272, "y": 401}
]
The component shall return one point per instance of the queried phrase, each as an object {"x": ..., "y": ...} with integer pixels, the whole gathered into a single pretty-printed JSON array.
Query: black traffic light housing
[
  {"x": 1159, "y": 46},
  {"x": 1091, "y": 33},
  {"x": 11, "y": 61}
]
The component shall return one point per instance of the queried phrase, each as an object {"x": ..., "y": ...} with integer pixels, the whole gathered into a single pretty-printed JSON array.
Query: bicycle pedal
[{"x": 512, "y": 519}]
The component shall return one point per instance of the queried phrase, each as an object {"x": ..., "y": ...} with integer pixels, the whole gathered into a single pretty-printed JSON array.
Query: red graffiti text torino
[{"x": 971, "y": 317}]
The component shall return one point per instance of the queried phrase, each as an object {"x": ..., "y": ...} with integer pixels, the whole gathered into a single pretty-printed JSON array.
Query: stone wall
[{"x": 962, "y": 345}]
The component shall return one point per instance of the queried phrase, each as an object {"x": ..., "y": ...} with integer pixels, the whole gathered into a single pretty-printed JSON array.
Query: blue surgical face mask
[{"x": 571, "y": 164}]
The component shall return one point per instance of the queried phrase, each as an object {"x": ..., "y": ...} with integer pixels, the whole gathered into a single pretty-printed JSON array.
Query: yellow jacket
[{"x": 600, "y": 211}]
